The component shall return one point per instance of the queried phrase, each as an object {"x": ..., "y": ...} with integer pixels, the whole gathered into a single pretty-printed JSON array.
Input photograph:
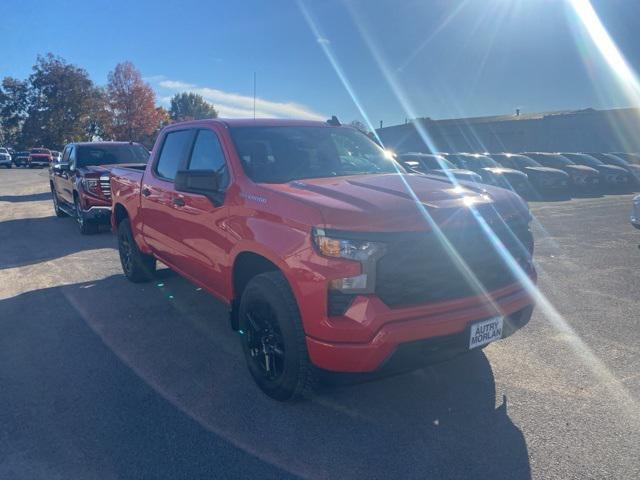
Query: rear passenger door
[
  {"x": 65, "y": 179},
  {"x": 58, "y": 175},
  {"x": 158, "y": 197},
  {"x": 199, "y": 224}
]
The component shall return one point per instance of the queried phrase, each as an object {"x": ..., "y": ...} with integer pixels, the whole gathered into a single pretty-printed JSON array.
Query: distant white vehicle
[{"x": 5, "y": 158}]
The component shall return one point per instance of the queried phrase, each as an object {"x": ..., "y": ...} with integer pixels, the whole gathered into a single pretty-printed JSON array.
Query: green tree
[
  {"x": 13, "y": 109},
  {"x": 190, "y": 106},
  {"x": 62, "y": 99},
  {"x": 358, "y": 125},
  {"x": 132, "y": 104}
]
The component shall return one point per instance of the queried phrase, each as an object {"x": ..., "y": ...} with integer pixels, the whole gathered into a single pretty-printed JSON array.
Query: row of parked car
[
  {"x": 32, "y": 158},
  {"x": 534, "y": 175}
]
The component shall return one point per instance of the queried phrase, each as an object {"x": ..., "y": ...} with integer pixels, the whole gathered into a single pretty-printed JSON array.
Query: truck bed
[{"x": 125, "y": 189}]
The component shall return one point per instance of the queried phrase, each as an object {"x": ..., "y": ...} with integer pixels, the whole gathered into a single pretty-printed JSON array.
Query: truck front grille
[
  {"x": 105, "y": 186},
  {"x": 419, "y": 268}
]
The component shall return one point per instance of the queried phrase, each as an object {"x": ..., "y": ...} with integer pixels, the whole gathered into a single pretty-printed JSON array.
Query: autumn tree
[
  {"x": 100, "y": 116},
  {"x": 61, "y": 98},
  {"x": 190, "y": 106},
  {"x": 163, "y": 119},
  {"x": 132, "y": 104},
  {"x": 13, "y": 109}
]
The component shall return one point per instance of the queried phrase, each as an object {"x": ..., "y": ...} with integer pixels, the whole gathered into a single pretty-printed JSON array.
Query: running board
[{"x": 69, "y": 211}]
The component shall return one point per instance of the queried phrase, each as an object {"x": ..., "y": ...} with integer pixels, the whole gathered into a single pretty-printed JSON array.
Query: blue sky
[{"x": 436, "y": 58}]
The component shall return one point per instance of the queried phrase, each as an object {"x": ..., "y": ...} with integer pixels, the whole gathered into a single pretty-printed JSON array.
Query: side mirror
[
  {"x": 202, "y": 182},
  {"x": 61, "y": 166}
]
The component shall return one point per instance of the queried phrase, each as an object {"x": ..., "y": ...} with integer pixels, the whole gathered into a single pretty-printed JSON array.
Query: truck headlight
[
  {"x": 91, "y": 185},
  {"x": 359, "y": 250},
  {"x": 364, "y": 251}
]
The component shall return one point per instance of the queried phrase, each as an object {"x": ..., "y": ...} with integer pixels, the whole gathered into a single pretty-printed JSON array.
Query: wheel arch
[
  {"x": 119, "y": 214},
  {"x": 246, "y": 265}
]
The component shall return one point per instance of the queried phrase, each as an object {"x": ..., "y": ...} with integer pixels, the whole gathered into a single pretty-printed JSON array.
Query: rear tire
[
  {"x": 273, "y": 339},
  {"x": 137, "y": 266},
  {"x": 56, "y": 205}
]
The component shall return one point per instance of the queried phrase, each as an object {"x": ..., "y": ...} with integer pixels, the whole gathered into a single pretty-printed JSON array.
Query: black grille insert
[{"x": 417, "y": 268}]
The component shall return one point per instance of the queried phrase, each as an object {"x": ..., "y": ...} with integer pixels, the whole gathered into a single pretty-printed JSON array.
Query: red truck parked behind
[
  {"x": 79, "y": 180},
  {"x": 39, "y": 157},
  {"x": 329, "y": 255}
]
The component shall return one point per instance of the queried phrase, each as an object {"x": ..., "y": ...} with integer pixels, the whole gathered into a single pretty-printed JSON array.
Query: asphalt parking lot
[{"x": 101, "y": 378}]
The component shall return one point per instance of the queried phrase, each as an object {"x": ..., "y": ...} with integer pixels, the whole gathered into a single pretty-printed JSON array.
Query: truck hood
[
  {"x": 581, "y": 169},
  {"x": 97, "y": 170},
  {"x": 459, "y": 173},
  {"x": 393, "y": 202},
  {"x": 506, "y": 172},
  {"x": 545, "y": 171},
  {"x": 611, "y": 169}
]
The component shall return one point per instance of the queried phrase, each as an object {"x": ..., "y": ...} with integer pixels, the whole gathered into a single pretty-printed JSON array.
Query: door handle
[
  {"x": 178, "y": 202},
  {"x": 146, "y": 192}
]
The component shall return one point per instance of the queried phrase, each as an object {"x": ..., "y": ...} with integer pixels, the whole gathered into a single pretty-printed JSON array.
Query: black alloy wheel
[{"x": 264, "y": 340}]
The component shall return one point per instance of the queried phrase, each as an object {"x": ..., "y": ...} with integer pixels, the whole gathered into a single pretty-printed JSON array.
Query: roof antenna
[
  {"x": 254, "y": 95},
  {"x": 333, "y": 121}
]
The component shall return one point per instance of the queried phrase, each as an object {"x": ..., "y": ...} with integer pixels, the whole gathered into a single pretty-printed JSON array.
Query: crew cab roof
[
  {"x": 95, "y": 144},
  {"x": 258, "y": 122}
]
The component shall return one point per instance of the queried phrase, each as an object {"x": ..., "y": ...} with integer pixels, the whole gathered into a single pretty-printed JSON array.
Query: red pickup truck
[{"x": 329, "y": 255}]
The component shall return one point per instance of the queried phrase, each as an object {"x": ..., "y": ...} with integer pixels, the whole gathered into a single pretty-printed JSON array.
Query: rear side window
[
  {"x": 174, "y": 150},
  {"x": 208, "y": 155}
]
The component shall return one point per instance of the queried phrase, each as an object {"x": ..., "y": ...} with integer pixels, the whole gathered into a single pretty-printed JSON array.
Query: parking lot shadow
[
  {"x": 32, "y": 240},
  {"x": 117, "y": 373},
  {"x": 33, "y": 197}
]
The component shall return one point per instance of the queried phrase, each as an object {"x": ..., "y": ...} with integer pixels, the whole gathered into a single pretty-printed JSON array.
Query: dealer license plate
[{"x": 485, "y": 332}]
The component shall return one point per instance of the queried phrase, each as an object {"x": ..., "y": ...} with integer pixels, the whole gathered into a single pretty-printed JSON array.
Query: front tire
[
  {"x": 273, "y": 339},
  {"x": 137, "y": 266},
  {"x": 85, "y": 226}
]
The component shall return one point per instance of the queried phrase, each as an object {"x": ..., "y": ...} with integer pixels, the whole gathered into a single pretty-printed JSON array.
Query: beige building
[{"x": 586, "y": 130}]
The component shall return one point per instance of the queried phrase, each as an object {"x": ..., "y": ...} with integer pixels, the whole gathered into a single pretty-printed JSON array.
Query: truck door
[
  {"x": 64, "y": 178},
  {"x": 157, "y": 207},
  {"x": 198, "y": 223}
]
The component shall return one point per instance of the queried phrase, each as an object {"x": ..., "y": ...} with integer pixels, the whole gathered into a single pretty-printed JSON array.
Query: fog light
[{"x": 358, "y": 282}]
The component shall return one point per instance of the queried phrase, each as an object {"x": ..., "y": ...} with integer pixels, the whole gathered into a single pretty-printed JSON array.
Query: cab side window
[
  {"x": 207, "y": 154},
  {"x": 174, "y": 150}
]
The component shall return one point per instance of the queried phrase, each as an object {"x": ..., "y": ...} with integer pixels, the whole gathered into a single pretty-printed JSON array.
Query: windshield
[
  {"x": 435, "y": 163},
  {"x": 481, "y": 160},
  {"x": 3, "y": 150},
  {"x": 282, "y": 154},
  {"x": 41, "y": 151},
  {"x": 614, "y": 160},
  {"x": 524, "y": 161},
  {"x": 583, "y": 159},
  {"x": 90, "y": 155}
]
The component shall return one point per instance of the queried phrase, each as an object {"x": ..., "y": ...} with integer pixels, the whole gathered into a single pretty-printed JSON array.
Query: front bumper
[
  {"x": 417, "y": 324},
  {"x": 585, "y": 181},
  {"x": 98, "y": 214},
  {"x": 617, "y": 180}
]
